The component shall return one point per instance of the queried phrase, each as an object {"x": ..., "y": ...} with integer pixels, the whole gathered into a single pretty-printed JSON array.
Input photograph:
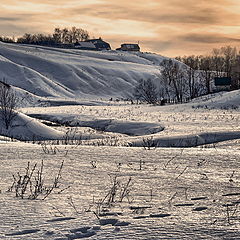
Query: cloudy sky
[{"x": 168, "y": 27}]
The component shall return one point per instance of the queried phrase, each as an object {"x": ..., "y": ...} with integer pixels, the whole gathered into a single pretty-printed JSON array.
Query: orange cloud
[{"x": 170, "y": 27}]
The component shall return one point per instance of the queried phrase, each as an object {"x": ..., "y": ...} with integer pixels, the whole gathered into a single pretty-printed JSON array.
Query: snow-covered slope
[
  {"x": 223, "y": 100},
  {"x": 70, "y": 73}
]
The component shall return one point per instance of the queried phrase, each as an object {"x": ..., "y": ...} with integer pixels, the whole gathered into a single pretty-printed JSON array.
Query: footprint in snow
[
  {"x": 113, "y": 222},
  {"x": 60, "y": 219},
  {"x": 140, "y": 217},
  {"x": 79, "y": 235},
  {"x": 82, "y": 229},
  {"x": 106, "y": 221},
  {"x": 198, "y": 209},
  {"x": 159, "y": 215},
  {"x": 153, "y": 215},
  {"x": 23, "y": 232},
  {"x": 122, "y": 224},
  {"x": 83, "y": 232},
  {"x": 184, "y": 205},
  {"x": 231, "y": 194},
  {"x": 199, "y": 198}
]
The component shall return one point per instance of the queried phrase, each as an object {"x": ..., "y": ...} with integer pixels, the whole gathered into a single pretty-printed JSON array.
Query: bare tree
[
  {"x": 8, "y": 104},
  {"x": 236, "y": 73},
  {"x": 207, "y": 73},
  {"x": 57, "y": 35},
  {"x": 229, "y": 53},
  {"x": 217, "y": 62},
  {"x": 70, "y": 35},
  {"x": 146, "y": 91},
  {"x": 174, "y": 76},
  {"x": 192, "y": 75}
]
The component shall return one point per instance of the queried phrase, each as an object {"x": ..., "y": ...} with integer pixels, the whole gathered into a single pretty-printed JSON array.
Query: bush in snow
[
  {"x": 146, "y": 91},
  {"x": 8, "y": 104}
]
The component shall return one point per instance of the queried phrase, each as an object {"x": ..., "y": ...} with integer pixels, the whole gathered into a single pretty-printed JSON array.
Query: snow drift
[
  {"x": 27, "y": 128},
  {"x": 131, "y": 128}
]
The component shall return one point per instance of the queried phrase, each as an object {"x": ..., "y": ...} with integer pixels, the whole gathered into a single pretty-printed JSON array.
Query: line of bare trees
[
  {"x": 7, "y": 39},
  {"x": 72, "y": 35},
  {"x": 59, "y": 36},
  {"x": 193, "y": 79},
  {"x": 222, "y": 62},
  {"x": 177, "y": 82}
]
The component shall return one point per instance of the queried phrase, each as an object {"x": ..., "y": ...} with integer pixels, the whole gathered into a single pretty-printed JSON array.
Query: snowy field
[
  {"x": 174, "y": 193},
  {"x": 177, "y": 119},
  {"x": 112, "y": 169}
]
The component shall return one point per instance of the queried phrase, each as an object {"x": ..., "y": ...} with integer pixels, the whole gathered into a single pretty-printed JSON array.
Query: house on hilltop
[
  {"x": 93, "y": 44},
  {"x": 129, "y": 47},
  {"x": 222, "y": 83},
  {"x": 99, "y": 44},
  {"x": 85, "y": 46}
]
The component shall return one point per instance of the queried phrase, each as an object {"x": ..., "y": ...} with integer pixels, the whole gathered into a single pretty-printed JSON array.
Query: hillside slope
[
  {"x": 70, "y": 73},
  {"x": 222, "y": 100}
]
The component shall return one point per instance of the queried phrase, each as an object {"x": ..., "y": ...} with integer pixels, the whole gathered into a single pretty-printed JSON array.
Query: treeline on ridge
[{"x": 58, "y": 37}]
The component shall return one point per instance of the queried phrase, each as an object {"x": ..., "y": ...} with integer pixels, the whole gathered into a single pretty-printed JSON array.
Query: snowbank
[
  {"x": 186, "y": 140},
  {"x": 107, "y": 125},
  {"x": 27, "y": 128}
]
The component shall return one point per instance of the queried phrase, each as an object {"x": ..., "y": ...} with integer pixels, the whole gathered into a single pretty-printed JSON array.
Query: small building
[
  {"x": 99, "y": 44},
  {"x": 85, "y": 45},
  {"x": 129, "y": 47},
  {"x": 222, "y": 83}
]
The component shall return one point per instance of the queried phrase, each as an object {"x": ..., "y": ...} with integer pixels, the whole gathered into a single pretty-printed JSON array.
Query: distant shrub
[
  {"x": 8, "y": 104},
  {"x": 146, "y": 91}
]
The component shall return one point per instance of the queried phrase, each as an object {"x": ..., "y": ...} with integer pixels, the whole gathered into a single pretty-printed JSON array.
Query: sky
[{"x": 167, "y": 27}]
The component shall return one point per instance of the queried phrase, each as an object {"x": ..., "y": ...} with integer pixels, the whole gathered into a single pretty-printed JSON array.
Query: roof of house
[
  {"x": 99, "y": 43},
  {"x": 130, "y": 45},
  {"x": 222, "y": 81},
  {"x": 87, "y": 45}
]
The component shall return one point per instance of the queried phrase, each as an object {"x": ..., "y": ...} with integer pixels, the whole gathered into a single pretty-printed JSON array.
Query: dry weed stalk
[
  {"x": 32, "y": 184},
  {"x": 116, "y": 194}
]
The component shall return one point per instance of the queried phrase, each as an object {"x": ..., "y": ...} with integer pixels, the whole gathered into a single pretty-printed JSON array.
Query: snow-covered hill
[
  {"x": 70, "y": 73},
  {"x": 67, "y": 75}
]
